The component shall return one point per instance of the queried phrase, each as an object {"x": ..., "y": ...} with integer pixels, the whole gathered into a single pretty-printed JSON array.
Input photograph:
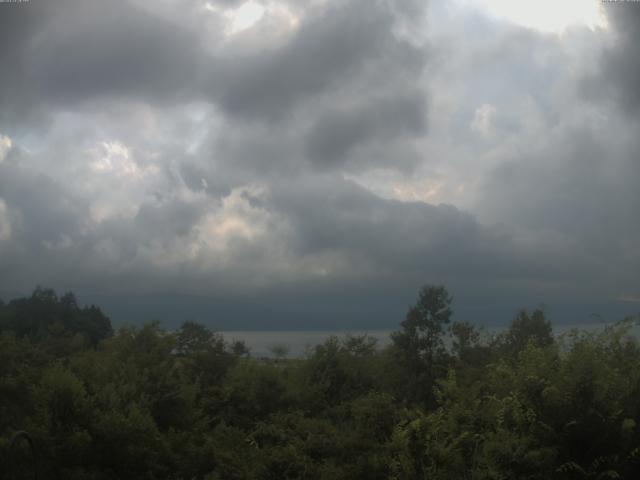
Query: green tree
[
  {"x": 193, "y": 337},
  {"x": 419, "y": 345},
  {"x": 45, "y": 317},
  {"x": 525, "y": 328}
]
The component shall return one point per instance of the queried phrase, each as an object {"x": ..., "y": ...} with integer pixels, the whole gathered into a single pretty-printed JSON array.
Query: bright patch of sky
[
  {"x": 550, "y": 16},
  {"x": 482, "y": 120},
  {"x": 5, "y": 146},
  {"x": 5, "y": 225},
  {"x": 245, "y": 16}
]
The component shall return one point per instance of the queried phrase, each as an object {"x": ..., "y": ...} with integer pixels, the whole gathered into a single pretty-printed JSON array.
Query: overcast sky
[{"x": 277, "y": 157}]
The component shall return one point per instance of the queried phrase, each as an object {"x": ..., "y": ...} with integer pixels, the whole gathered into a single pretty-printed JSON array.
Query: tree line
[{"x": 444, "y": 400}]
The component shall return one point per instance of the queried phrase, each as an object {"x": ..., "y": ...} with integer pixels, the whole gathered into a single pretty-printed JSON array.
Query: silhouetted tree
[
  {"x": 419, "y": 345},
  {"x": 45, "y": 317},
  {"x": 525, "y": 328},
  {"x": 194, "y": 337}
]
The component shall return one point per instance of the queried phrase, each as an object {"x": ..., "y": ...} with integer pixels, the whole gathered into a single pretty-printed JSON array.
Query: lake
[{"x": 298, "y": 341}]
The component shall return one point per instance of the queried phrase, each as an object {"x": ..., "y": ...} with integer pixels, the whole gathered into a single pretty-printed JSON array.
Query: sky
[{"x": 311, "y": 163}]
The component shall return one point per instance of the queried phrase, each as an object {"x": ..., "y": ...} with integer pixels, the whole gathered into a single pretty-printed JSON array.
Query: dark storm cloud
[
  {"x": 199, "y": 177},
  {"x": 43, "y": 210},
  {"x": 100, "y": 48},
  {"x": 81, "y": 49},
  {"x": 577, "y": 193},
  {"x": 557, "y": 170},
  {"x": 68, "y": 51},
  {"x": 619, "y": 74},
  {"x": 330, "y": 214},
  {"x": 45, "y": 221},
  {"x": 17, "y": 27},
  {"x": 338, "y": 132},
  {"x": 153, "y": 150},
  {"x": 438, "y": 243},
  {"x": 579, "y": 179},
  {"x": 326, "y": 53},
  {"x": 167, "y": 220}
]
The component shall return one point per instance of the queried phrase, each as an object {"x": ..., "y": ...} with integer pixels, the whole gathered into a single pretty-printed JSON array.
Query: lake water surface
[{"x": 297, "y": 342}]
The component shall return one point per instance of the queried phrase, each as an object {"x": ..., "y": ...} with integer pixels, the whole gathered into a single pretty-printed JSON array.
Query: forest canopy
[{"x": 445, "y": 400}]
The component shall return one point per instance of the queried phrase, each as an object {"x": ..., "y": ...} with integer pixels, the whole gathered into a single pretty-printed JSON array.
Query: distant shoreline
[{"x": 297, "y": 341}]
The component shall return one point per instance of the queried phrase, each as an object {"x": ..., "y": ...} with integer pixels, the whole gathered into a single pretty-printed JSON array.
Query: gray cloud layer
[
  {"x": 620, "y": 63},
  {"x": 332, "y": 147}
]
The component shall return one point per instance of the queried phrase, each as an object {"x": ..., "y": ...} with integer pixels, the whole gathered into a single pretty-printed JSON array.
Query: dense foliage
[{"x": 443, "y": 401}]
